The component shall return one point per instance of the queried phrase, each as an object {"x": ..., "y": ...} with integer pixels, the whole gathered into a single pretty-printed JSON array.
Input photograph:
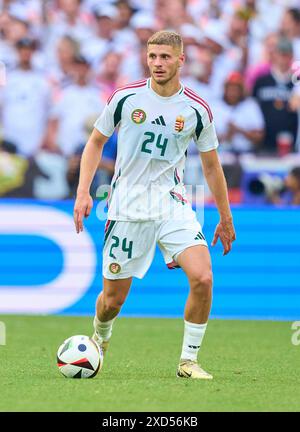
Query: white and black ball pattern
[{"x": 79, "y": 357}]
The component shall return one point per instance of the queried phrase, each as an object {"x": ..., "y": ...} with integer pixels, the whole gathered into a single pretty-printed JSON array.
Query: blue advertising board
[{"x": 46, "y": 268}]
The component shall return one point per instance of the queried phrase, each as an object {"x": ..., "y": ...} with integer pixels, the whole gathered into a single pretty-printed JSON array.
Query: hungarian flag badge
[{"x": 179, "y": 123}]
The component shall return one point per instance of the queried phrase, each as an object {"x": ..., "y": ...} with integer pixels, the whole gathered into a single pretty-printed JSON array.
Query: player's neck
[{"x": 166, "y": 90}]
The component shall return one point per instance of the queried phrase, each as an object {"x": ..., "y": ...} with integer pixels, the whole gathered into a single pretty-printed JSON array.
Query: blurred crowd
[{"x": 61, "y": 59}]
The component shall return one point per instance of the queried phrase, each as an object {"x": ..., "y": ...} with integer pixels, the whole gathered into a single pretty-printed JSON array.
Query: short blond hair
[{"x": 165, "y": 37}]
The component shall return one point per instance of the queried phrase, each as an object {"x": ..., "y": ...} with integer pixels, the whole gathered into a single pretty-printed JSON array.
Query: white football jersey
[{"x": 154, "y": 133}]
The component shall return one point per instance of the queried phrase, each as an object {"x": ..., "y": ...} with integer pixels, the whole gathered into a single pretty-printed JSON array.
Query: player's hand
[
  {"x": 226, "y": 233},
  {"x": 82, "y": 208}
]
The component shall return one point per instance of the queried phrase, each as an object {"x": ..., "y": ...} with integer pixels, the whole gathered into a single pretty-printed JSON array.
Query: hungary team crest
[
  {"x": 179, "y": 123},
  {"x": 138, "y": 116},
  {"x": 114, "y": 268}
]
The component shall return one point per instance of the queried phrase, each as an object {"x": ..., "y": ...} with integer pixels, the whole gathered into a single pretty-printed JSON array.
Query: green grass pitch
[{"x": 254, "y": 363}]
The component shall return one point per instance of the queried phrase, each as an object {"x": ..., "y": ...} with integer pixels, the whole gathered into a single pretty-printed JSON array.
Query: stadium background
[
  {"x": 49, "y": 269},
  {"x": 60, "y": 60}
]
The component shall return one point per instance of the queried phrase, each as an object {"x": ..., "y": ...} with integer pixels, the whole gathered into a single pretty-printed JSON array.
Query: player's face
[{"x": 164, "y": 62}]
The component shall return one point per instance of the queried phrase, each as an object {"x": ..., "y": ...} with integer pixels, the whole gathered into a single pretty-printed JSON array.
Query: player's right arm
[
  {"x": 103, "y": 129},
  {"x": 91, "y": 157}
]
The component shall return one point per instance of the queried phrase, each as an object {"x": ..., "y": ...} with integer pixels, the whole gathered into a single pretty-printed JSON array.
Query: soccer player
[{"x": 157, "y": 117}]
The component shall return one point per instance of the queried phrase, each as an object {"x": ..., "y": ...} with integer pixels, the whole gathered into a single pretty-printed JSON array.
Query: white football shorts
[{"x": 129, "y": 247}]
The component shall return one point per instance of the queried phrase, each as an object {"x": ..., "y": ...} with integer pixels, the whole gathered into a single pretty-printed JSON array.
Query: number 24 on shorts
[
  {"x": 125, "y": 248},
  {"x": 151, "y": 138}
]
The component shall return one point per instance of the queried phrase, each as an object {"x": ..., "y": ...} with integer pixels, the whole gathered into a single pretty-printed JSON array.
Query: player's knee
[{"x": 201, "y": 283}]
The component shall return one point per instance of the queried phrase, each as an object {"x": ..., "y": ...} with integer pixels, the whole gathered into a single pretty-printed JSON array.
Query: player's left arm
[{"x": 215, "y": 178}]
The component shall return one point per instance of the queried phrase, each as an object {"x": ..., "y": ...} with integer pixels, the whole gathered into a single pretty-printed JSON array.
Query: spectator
[
  {"x": 103, "y": 42},
  {"x": 78, "y": 101},
  {"x": 69, "y": 20},
  {"x": 172, "y": 17},
  {"x": 205, "y": 10},
  {"x": 124, "y": 35},
  {"x": 13, "y": 28},
  {"x": 287, "y": 191},
  {"x": 237, "y": 34},
  {"x": 267, "y": 59},
  {"x": 19, "y": 26},
  {"x": 25, "y": 103},
  {"x": 191, "y": 35},
  {"x": 199, "y": 73},
  {"x": 229, "y": 45},
  {"x": 290, "y": 28},
  {"x": 134, "y": 65},
  {"x": 265, "y": 20},
  {"x": 220, "y": 37},
  {"x": 126, "y": 12},
  {"x": 61, "y": 74},
  {"x": 273, "y": 93},
  {"x": 215, "y": 38},
  {"x": 226, "y": 57},
  {"x": 144, "y": 26},
  {"x": 239, "y": 121},
  {"x": 109, "y": 77}
]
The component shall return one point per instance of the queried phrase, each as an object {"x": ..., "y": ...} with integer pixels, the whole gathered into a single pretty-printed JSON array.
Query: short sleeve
[
  {"x": 105, "y": 122},
  {"x": 206, "y": 137}
]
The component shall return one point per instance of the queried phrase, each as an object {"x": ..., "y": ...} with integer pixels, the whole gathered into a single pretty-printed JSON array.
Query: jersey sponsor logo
[
  {"x": 114, "y": 268},
  {"x": 160, "y": 121},
  {"x": 179, "y": 123},
  {"x": 138, "y": 116}
]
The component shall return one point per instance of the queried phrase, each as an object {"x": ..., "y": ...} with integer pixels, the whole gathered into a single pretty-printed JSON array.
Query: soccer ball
[{"x": 79, "y": 357}]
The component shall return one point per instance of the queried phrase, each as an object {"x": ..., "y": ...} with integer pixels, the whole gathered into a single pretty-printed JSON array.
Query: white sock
[
  {"x": 104, "y": 329},
  {"x": 192, "y": 339}
]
